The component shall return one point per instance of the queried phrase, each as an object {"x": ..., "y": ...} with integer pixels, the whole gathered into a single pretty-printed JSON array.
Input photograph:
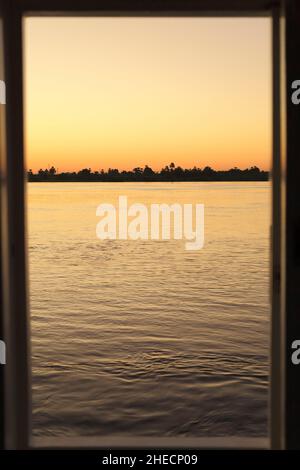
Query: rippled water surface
[{"x": 144, "y": 337}]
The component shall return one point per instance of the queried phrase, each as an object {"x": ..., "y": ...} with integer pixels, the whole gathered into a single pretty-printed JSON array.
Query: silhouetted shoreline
[{"x": 168, "y": 173}]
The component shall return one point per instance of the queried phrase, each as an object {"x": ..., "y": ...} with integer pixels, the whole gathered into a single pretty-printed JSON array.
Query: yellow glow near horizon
[{"x": 126, "y": 92}]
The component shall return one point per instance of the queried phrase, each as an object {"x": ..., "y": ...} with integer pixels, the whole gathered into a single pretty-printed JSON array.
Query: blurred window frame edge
[
  {"x": 2, "y": 152},
  {"x": 15, "y": 428}
]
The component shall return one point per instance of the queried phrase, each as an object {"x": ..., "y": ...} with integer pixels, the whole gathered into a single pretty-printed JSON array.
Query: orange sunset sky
[{"x": 125, "y": 92}]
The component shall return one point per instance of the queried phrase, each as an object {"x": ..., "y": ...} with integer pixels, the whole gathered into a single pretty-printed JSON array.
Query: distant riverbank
[{"x": 169, "y": 173}]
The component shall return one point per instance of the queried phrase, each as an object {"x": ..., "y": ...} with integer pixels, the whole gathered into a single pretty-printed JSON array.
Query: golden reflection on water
[{"x": 144, "y": 337}]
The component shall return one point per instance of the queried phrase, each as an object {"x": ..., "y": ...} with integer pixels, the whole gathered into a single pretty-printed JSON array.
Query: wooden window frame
[{"x": 15, "y": 316}]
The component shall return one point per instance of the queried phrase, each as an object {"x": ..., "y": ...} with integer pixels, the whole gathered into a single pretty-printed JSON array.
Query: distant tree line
[{"x": 168, "y": 173}]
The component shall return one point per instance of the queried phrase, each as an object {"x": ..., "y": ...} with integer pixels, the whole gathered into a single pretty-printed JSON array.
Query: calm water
[{"x": 144, "y": 337}]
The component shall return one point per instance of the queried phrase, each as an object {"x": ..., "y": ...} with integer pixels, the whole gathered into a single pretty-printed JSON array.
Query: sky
[{"x": 127, "y": 92}]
